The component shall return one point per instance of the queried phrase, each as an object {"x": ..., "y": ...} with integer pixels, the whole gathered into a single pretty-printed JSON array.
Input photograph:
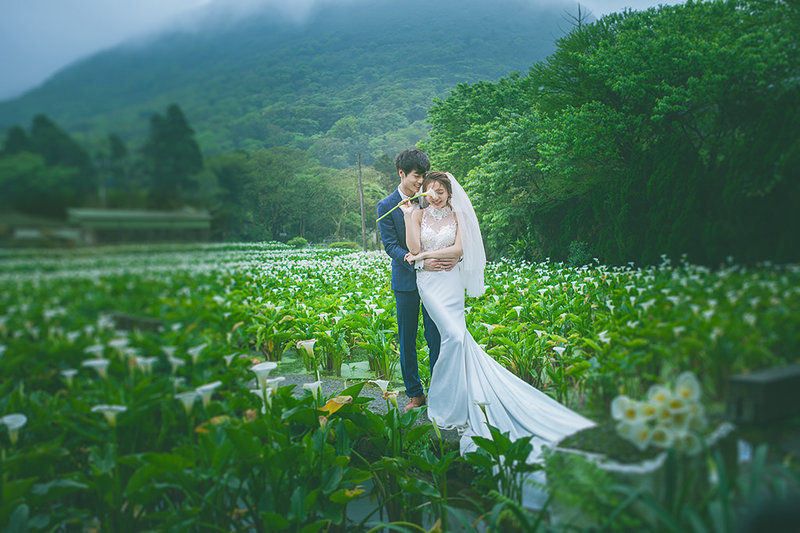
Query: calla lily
[
  {"x": 382, "y": 383},
  {"x": 518, "y": 309},
  {"x": 175, "y": 363},
  {"x": 308, "y": 346},
  {"x": 229, "y": 358},
  {"x": 119, "y": 343},
  {"x": 205, "y": 391},
  {"x": 636, "y": 432},
  {"x": 688, "y": 443},
  {"x": 68, "y": 374},
  {"x": 145, "y": 364},
  {"x": 169, "y": 351},
  {"x": 195, "y": 352},
  {"x": 391, "y": 395},
  {"x": 687, "y": 387},
  {"x": 100, "y": 366},
  {"x": 662, "y": 436},
  {"x": 95, "y": 350},
  {"x": 313, "y": 388},
  {"x": 262, "y": 371},
  {"x": 648, "y": 411},
  {"x": 559, "y": 349},
  {"x": 187, "y": 400},
  {"x": 426, "y": 193},
  {"x": 266, "y": 398},
  {"x": 659, "y": 394},
  {"x": 624, "y": 409},
  {"x": 110, "y": 412},
  {"x": 272, "y": 383},
  {"x": 14, "y": 422}
]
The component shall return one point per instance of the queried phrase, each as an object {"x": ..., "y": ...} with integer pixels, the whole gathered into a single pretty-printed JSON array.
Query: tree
[
  {"x": 59, "y": 149},
  {"x": 174, "y": 157},
  {"x": 16, "y": 141},
  {"x": 273, "y": 190},
  {"x": 32, "y": 186}
]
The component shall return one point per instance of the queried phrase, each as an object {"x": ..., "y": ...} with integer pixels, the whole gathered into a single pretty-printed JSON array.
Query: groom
[{"x": 412, "y": 164}]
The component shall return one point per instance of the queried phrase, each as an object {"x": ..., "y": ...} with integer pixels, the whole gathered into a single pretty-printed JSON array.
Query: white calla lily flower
[
  {"x": 205, "y": 391},
  {"x": 687, "y": 387},
  {"x": 187, "y": 399},
  {"x": 382, "y": 383},
  {"x": 99, "y": 365},
  {"x": 14, "y": 422},
  {"x": 313, "y": 388},
  {"x": 68, "y": 374},
  {"x": 262, "y": 371},
  {"x": 110, "y": 412}
]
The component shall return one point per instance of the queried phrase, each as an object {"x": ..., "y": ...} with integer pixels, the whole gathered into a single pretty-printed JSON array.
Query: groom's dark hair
[{"x": 412, "y": 159}]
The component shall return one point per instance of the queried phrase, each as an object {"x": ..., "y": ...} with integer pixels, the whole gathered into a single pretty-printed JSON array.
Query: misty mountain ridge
[{"x": 354, "y": 77}]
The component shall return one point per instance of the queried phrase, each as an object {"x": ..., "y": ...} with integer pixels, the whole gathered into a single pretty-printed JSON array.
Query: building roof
[{"x": 138, "y": 219}]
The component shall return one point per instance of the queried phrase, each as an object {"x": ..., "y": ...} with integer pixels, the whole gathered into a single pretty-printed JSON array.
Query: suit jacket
[{"x": 393, "y": 235}]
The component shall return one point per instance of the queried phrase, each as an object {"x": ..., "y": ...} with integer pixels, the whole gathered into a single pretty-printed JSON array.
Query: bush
[
  {"x": 345, "y": 245},
  {"x": 579, "y": 254},
  {"x": 298, "y": 242}
]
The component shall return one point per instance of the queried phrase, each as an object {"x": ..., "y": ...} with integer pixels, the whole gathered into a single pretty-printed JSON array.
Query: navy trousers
[{"x": 408, "y": 305}]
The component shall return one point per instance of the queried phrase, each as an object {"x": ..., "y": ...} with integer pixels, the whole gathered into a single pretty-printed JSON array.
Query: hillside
[{"x": 354, "y": 77}]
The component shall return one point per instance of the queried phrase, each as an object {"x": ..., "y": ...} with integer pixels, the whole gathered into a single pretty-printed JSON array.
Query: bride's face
[{"x": 439, "y": 196}]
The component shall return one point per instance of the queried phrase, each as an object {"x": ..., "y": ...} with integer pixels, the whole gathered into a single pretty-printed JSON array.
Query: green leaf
[{"x": 417, "y": 432}]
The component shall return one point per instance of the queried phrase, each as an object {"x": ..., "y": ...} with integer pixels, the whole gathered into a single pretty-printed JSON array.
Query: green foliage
[
  {"x": 672, "y": 130},
  {"x": 344, "y": 245},
  {"x": 579, "y": 254},
  {"x": 298, "y": 242},
  {"x": 31, "y": 186},
  {"x": 349, "y": 79},
  {"x": 221, "y": 305}
]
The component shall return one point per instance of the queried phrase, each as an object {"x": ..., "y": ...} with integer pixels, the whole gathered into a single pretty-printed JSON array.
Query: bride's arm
[
  {"x": 413, "y": 220},
  {"x": 449, "y": 252},
  {"x": 454, "y": 251}
]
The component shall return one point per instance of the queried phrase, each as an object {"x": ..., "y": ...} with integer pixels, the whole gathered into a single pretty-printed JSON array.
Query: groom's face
[{"x": 411, "y": 182}]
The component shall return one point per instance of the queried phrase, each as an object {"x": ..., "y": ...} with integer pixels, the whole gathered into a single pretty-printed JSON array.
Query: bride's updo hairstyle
[{"x": 442, "y": 178}]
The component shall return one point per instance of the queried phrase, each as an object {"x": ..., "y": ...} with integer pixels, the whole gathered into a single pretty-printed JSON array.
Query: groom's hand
[{"x": 440, "y": 264}]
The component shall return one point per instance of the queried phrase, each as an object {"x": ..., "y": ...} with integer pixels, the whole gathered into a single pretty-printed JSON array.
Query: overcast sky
[{"x": 39, "y": 37}]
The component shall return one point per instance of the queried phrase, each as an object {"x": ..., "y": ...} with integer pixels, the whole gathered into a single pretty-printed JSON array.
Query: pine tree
[{"x": 174, "y": 157}]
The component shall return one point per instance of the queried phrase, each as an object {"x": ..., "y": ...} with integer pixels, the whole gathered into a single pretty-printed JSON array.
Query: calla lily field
[{"x": 182, "y": 421}]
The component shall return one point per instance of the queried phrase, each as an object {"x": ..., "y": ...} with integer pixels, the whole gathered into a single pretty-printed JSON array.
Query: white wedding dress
[{"x": 464, "y": 376}]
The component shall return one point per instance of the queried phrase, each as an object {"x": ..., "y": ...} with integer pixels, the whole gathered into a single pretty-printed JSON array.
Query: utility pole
[{"x": 363, "y": 215}]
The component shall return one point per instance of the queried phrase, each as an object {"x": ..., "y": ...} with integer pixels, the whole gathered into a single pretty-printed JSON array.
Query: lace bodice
[{"x": 438, "y": 228}]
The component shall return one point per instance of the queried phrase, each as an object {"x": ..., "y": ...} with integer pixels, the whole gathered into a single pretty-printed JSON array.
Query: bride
[{"x": 466, "y": 381}]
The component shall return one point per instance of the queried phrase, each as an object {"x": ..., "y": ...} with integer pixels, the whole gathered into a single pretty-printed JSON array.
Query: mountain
[{"x": 352, "y": 77}]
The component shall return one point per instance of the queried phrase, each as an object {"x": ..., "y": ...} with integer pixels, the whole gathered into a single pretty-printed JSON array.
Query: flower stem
[{"x": 401, "y": 203}]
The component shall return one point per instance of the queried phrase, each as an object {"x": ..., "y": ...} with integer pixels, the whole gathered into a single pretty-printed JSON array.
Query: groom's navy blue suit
[{"x": 404, "y": 285}]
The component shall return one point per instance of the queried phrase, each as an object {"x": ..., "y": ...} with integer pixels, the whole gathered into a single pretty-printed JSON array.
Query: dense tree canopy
[{"x": 672, "y": 130}]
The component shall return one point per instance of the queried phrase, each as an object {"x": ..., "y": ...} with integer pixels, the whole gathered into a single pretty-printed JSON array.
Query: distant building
[
  {"x": 105, "y": 226},
  {"x": 20, "y": 228}
]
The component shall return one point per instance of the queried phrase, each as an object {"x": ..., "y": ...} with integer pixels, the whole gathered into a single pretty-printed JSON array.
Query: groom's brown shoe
[{"x": 414, "y": 402}]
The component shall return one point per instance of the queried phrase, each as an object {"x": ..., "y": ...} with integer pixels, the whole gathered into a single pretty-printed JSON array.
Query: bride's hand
[
  {"x": 411, "y": 258},
  {"x": 406, "y": 207}
]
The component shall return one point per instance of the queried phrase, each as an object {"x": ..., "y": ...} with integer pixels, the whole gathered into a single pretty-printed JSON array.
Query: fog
[{"x": 39, "y": 37}]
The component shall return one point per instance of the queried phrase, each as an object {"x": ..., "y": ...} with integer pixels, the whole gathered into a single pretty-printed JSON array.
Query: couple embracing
[{"x": 437, "y": 254}]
